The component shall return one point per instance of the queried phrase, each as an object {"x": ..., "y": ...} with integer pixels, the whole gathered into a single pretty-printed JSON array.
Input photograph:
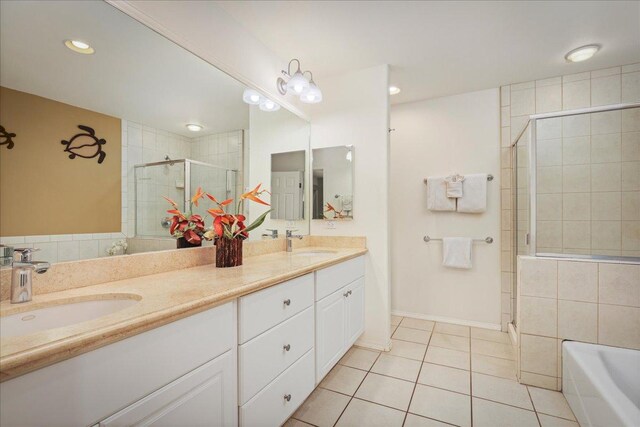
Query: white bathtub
[{"x": 602, "y": 384}]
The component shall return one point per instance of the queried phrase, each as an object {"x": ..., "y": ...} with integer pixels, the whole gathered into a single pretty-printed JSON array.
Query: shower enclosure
[
  {"x": 177, "y": 180},
  {"x": 576, "y": 185}
]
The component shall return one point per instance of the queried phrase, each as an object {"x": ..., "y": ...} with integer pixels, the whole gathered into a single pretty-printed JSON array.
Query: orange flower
[
  {"x": 253, "y": 195},
  {"x": 199, "y": 194}
]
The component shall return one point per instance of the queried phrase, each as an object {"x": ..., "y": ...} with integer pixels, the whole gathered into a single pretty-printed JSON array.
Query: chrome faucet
[
  {"x": 22, "y": 274},
  {"x": 273, "y": 234},
  {"x": 290, "y": 236}
]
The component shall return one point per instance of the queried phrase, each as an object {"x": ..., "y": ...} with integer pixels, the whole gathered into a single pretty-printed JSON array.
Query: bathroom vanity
[{"x": 241, "y": 346}]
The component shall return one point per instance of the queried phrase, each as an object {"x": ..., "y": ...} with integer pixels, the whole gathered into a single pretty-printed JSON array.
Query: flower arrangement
[
  {"x": 232, "y": 226},
  {"x": 185, "y": 224},
  {"x": 337, "y": 214}
]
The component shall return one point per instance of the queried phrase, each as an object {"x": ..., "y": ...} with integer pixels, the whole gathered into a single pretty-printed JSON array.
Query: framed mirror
[
  {"x": 332, "y": 182},
  {"x": 111, "y": 118}
]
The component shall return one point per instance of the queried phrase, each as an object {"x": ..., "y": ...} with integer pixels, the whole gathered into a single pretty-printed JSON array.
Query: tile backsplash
[{"x": 581, "y": 300}]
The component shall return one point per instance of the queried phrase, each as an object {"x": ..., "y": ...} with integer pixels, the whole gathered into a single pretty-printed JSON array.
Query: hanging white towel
[
  {"x": 454, "y": 187},
  {"x": 437, "y": 199},
  {"x": 474, "y": 194},
  {"x": 456, "y": 252}
]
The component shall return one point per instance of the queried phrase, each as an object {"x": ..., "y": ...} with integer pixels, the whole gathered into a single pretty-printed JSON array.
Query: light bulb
[
  {"x": 394, "y": 90},
  {"x": 313, "y": 95},
  {"x": 298, "y": 83},
  {"x": 269, "y": 105},
  {"x": 251, "y": 97}
]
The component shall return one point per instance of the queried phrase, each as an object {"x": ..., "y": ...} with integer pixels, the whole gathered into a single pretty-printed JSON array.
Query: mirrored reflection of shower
[{"x": 177, "y": 179}]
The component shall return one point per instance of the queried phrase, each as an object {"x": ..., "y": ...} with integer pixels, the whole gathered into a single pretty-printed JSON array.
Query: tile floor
[{"x": 436, "y": 375}]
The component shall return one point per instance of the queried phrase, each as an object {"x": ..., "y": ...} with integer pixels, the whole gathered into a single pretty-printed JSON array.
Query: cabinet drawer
[
  {"x": 270, "y": 407},
  {"x": 330, "y": 279},
  {"x": 197, "y": 398},
  {"x": 264, "y": 309},
  {"x": 263, "y": 358}
]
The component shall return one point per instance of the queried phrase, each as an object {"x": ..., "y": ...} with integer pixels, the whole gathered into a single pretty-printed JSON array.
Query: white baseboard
[
  {"x": 374, "y": 346},
  {"x": 443, "y": 319}
]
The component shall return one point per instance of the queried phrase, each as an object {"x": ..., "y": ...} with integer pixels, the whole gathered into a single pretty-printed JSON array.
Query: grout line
[
  {"x": 359, "y": 385},
  {"x": 471, "y": 385},
  {"x": 534, "y": 406},
  {"x": 415, "y": 385}
]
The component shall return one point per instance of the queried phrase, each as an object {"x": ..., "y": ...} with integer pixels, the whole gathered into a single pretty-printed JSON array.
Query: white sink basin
[
  {"x": 314, "y": 253},
  {"x": 59, "y": 315}
]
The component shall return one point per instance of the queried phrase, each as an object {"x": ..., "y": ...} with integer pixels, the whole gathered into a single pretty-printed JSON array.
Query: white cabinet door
[
  {"x": 330, "y": 332},
  {"x": 355, "y": 311},
  {"x": 203, "y": 397}
]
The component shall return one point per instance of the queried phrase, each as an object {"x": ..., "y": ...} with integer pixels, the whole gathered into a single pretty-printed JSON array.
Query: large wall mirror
[
  {"x": 332, "y": 181},
  {"x": 101, "y": 118}
]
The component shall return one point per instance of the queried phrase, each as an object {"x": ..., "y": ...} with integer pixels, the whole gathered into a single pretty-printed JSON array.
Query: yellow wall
[{"x": 42, "y": 190}]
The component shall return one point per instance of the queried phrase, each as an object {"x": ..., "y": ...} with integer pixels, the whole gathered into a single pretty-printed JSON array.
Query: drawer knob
[
  {"x": 287, "y": 347},
  {"x": 287, "y": 397},
  {"x": 346, "y": 294},
  {"x": 350, "y": 292},
  {"x": 287, "y": 301}
]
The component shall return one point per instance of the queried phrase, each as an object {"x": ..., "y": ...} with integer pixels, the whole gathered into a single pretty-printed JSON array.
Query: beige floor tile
[
  {"x": 359, "y": 358},
  {"x": 491, "y": 414},
  {"x": 395, "y": 320},
  {"x": 386, "y": 391},
  {"x": 453, "y": 342},
  {"x": 494, "y": 349},
  {"x": 447, "y": 357},
  {"x": 397, "y": 367},
  {"x": 361, "y": 413},
  {"x": 448, "y": 328},
  {"x": 410, "y": 350},
  {"x": 425, "y": 325},
  {"x": 343, "y": 379},
  {"x": 493, "y": 366},
  {"x": 445, "y": 377},
  {"x": 291, "y": 422},
  {"x": 549, "y": 421},
  {"x": 490, "y": 335},
  {"x": 551, "y": 403},
  {"x": 501, "y": 390},
  {"x": 441, "y": 405},
  {"x": 413, "y": 335},
  {"x": 418, "y": 421},
  {"x": 322, "y": 407}
]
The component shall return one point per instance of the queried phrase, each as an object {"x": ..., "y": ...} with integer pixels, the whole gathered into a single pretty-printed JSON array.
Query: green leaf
[{"x": 258, "y": 222}]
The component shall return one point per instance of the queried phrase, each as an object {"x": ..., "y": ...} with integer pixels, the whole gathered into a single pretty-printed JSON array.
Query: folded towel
[
  {"x": 474, "y": 194},
  {"x": 454, "y": 188},
  {"x": 456, "y": 252},
  {"x": 437, "y": 199}
]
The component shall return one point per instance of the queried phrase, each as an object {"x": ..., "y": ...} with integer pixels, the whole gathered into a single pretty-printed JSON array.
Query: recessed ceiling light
[
  {"x": 582, "y": 53},
  {"x": 194, "y": 128},
  {"x": 79, "y": 46},
  {"x": 394, "y": 90}
]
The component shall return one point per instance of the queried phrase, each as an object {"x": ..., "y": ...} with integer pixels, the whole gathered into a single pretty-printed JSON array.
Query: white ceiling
[
  {"x": 135, "y": 74},
  {"x": 438, "y": 48}
]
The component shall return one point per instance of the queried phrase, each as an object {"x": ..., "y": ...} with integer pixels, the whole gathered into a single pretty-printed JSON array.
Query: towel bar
[
  {"x": 489, "y": 178},
  {"x": 486, "y": 239}
]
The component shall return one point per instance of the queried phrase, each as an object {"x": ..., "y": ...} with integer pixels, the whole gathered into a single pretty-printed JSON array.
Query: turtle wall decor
[
  {"x": 85, "y": 144},
  {"x": 6, "y": 138}
]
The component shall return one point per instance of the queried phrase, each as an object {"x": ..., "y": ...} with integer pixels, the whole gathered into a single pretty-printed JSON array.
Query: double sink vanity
[{"x": 195, "y": 346}]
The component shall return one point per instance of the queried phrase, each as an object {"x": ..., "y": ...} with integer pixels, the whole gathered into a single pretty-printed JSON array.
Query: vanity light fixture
[
  {"x": 394, "y": 90},
  {"x": 194, "y": 127},
  {"x": 269, "y": 105},
  {"x": 79, "y": 47},
  {"x": 297, "y": 83},
  {"x": 582, "y": 53},
  {"x": 251, "y": 97}
]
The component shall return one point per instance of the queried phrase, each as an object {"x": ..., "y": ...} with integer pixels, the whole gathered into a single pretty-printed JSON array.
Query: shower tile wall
[
  {"x": 518, "y": 101},
  {"x": 152, "y": 145}
]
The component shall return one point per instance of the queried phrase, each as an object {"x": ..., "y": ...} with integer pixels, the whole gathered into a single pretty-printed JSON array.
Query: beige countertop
[{"x": 163, "y": 298}]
